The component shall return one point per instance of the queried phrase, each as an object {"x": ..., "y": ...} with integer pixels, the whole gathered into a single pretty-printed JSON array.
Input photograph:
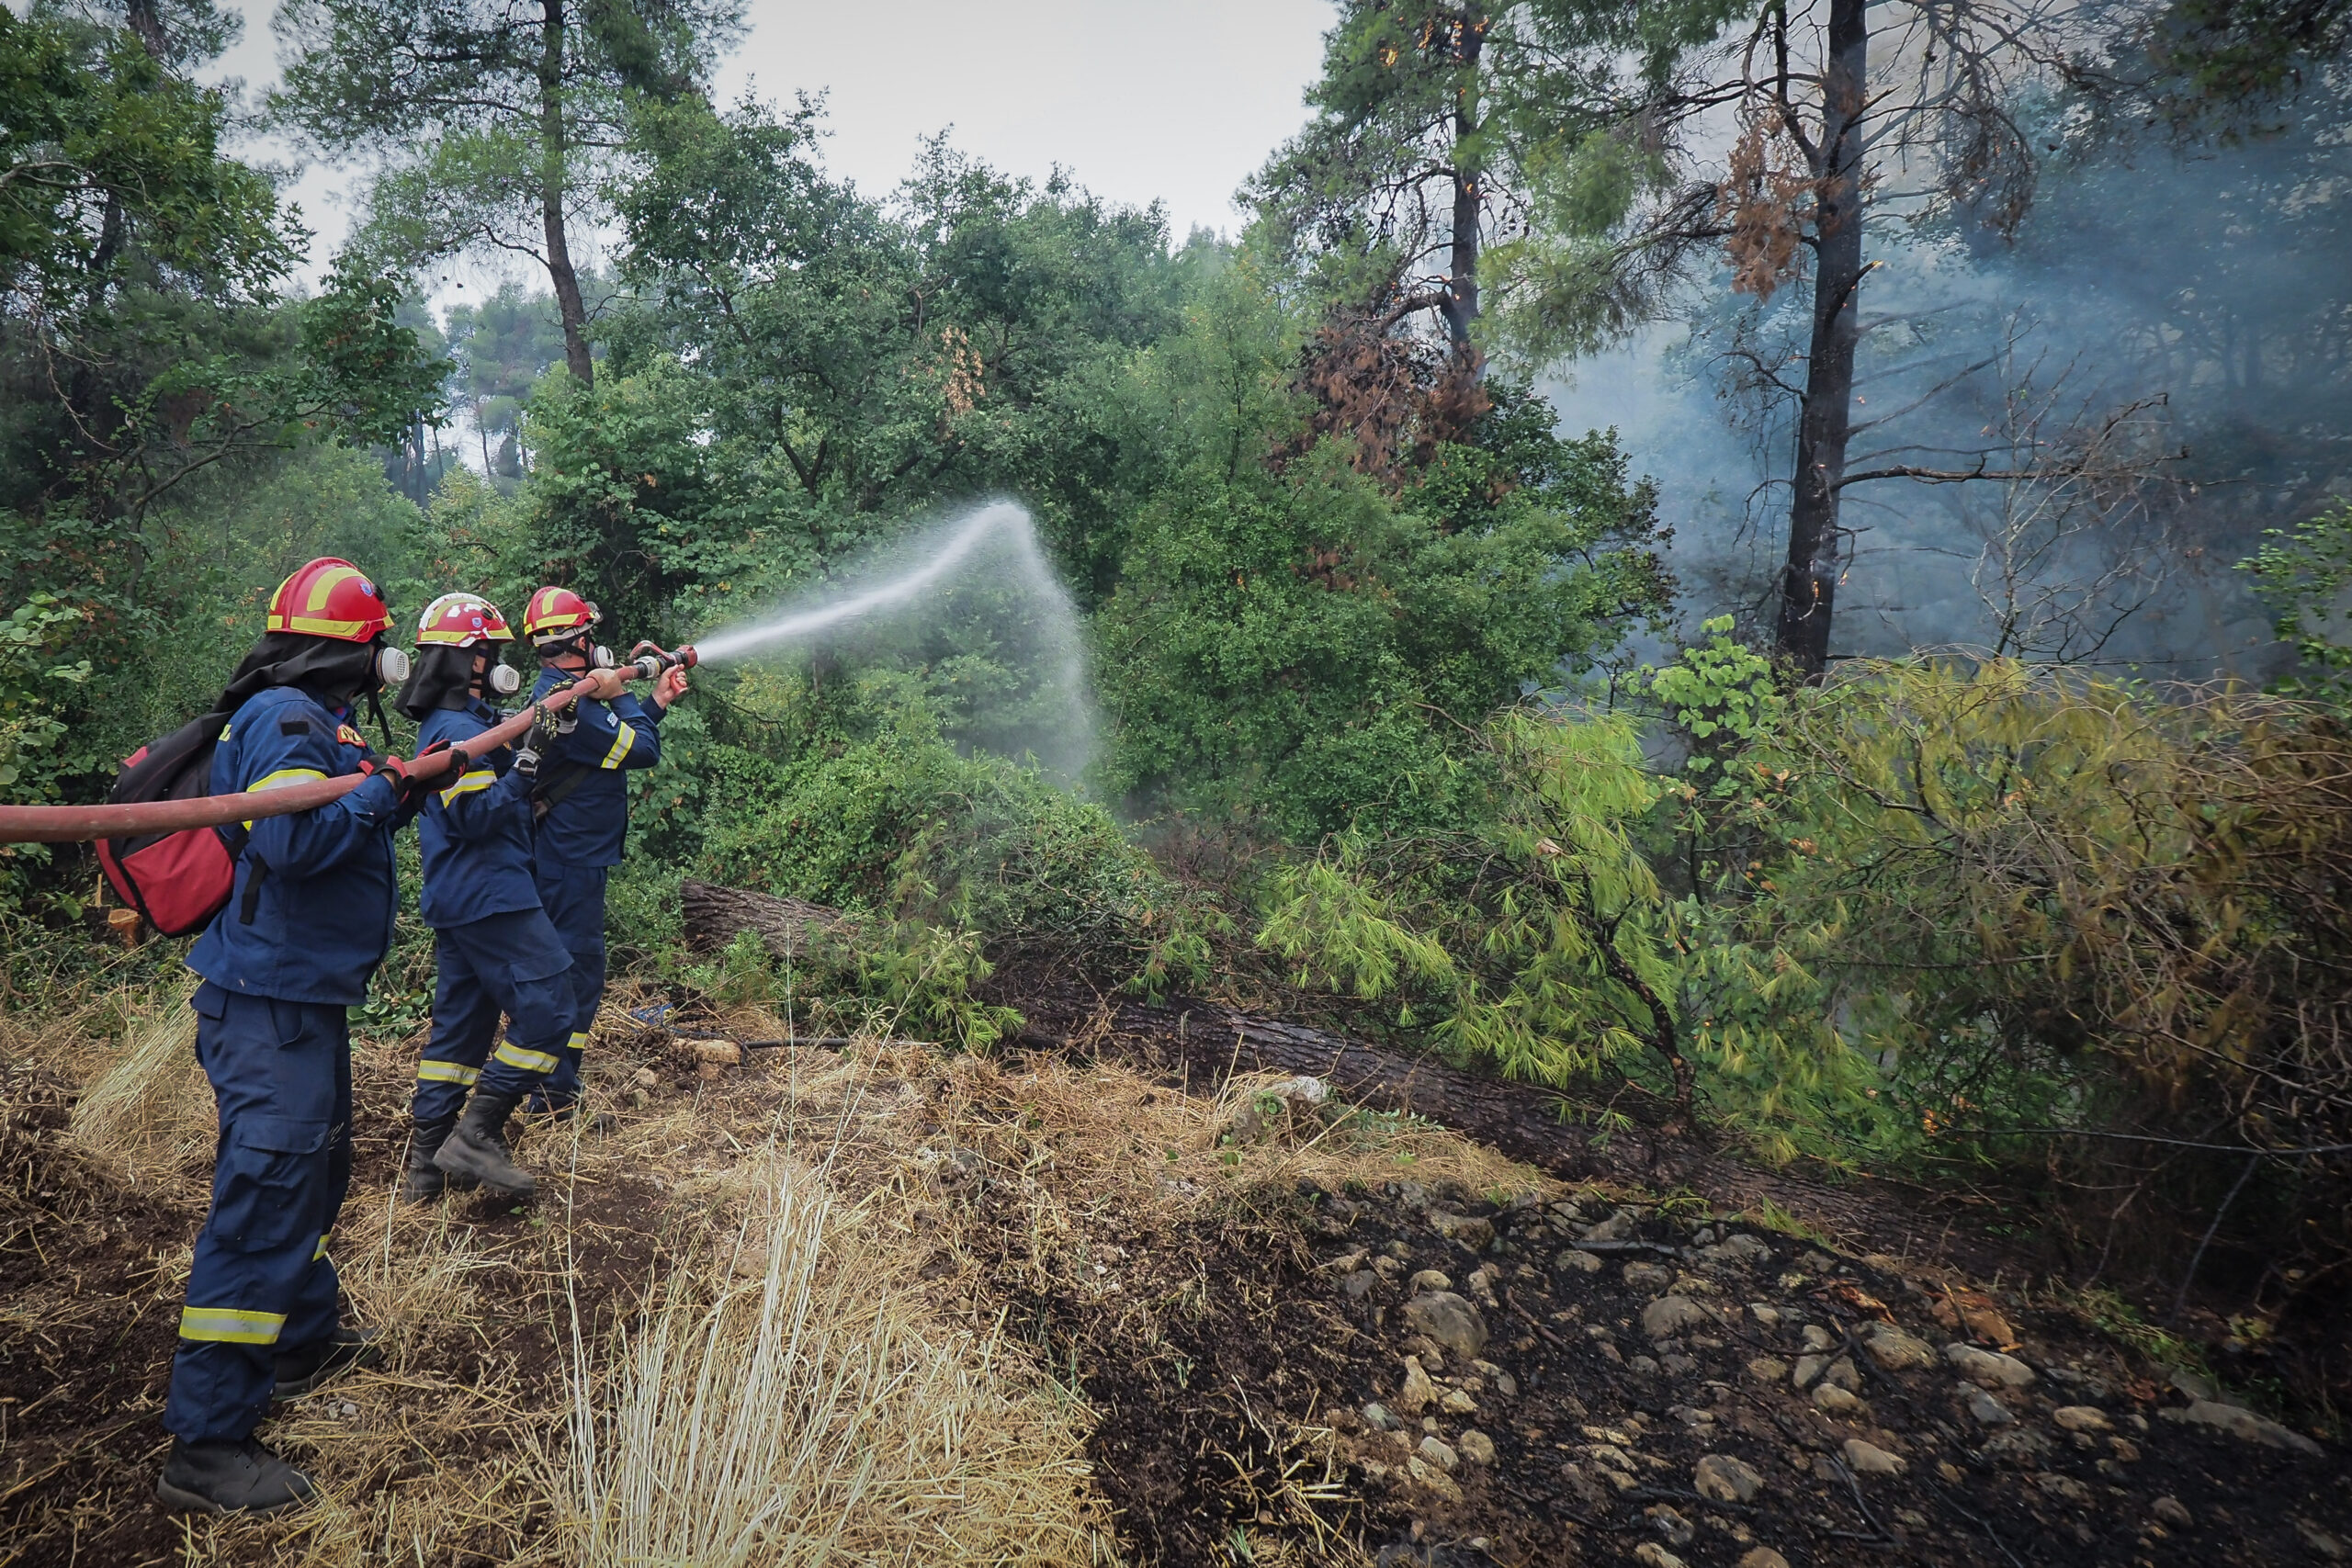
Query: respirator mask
[
  {"x": 501, "y": 679},
  {"x": 391, "y": 666},
  {"x": 599, "y": 656}
]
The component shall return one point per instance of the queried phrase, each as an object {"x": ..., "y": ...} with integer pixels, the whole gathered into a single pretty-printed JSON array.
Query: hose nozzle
[{"x": 649, "y": 659}]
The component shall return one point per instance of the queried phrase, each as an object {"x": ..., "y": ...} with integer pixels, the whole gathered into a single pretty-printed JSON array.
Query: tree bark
[
  {"x": 568, "y": 303},
  {"x": 1809, "y": 579},
  {"x": 1462, "y": 285}
]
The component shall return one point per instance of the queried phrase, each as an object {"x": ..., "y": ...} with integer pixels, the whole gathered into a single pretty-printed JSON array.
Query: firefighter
[
  {"x": 494, "y": 948},
  {"x": 581, "y": 802},
  {"x": 310, "y": 918}
]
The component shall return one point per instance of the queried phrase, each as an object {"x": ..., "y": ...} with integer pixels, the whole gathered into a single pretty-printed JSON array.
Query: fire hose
[{"x": 72, "y": 824}]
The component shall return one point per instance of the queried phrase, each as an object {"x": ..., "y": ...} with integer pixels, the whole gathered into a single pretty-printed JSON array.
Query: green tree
[
  {"x": 143, "y": 349},
  {"x": 493, "y": 127}
]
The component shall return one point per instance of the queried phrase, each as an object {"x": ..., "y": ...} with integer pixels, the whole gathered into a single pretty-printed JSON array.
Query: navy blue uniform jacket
[
  {"x": 320, "y": 884},
  {"x": 589, "y": 826},
  {"x": 476, "y": 833}
]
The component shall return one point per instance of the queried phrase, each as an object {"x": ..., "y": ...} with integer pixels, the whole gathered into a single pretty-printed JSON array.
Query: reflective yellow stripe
[
  {"x": 621, "y": 743},
  {"x": 513, "y": 1056},
  {"x": 231, "y": 1326},
  {"x": 430, "y": 1071},
  {"x": 578, "y": 1041},
  {"x": 321, "y": 1249},
  {"x": 478, "y": 780},
  {"x": 282, "y": 777}
]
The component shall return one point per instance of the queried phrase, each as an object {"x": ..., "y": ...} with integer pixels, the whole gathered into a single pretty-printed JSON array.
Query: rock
[
  {"x": 1989, "y": 1369},
  {"x": 1437, "y": 1451},
  {"x": 2065, "y": 1488},
  {"x": 2081, "y": 1418},
  {"x": 1670, "y": 1523},
  {"x": 1869, "y": 1459},
  {"x": 1898, "y": 1351},
  {"x": 1476, "y": 1446},
  {"x": 1448, "y": 1319},
  {"x": 1721, "y": 1478},
  {"x": 2021, "y": 1446},
  {"x": 2174, "y": 1512},
  {"x": 718, "y": 1052},
  {"x": 1679, "y": 1365},
  {"x": 1357, "y": 1286},
  {"x": 1482, "y": 1284},
  {"x": 1641, "y": 1364},
  {"x": 1418, "y": 1393},
  {"x": 1765, "y": 1313},
  {"x": 1763, "y": 1557},
  {"x": 1457, "y": 1402},
  {"x": 1750, "y": 1249},
  {"x": 1305, "y": 1089},
  {"x": 1669, "y": 1315},
  {"x": 1842, "y": 1374},
  {"x": 1430, "y": 1279},
  {"x": 1504, "y": 1383},
  {"x": 1433, "y": 1478},
  {"x": 1703, "y": 1237},
  {"x": 645, "y": 1078},
  {"x": 1650, "y": 1554},
  {"x": 2126, "y": 1451},
  {"x": 2322, "y": 1544},
  {"x": 1377, "y": 1414},
  {"x": 2194, "y": 1385},
  {"x": 1476, "y": 1234},
  {"x": 1346, "y": 1263},
  {"x": 1767, "y": 1368},
  {"x": 1575, "y": 1262},
  {"x": 1988, "y": 1411},
  {"x": 1817, "y": 1337},
  {"x": 1618, "y": 1226},
  {"x": 1647, "y": 1277},
  {"x": 1808, "y": 1370},
  {"x": 1832, "y": 1400},
  {"x": 2245, "y": 1426}
]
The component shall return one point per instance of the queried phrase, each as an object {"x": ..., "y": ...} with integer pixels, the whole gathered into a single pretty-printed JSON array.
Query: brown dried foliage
[
  {"x": 1764, "y": 201},
  {"x": 1397, "y": 395}
]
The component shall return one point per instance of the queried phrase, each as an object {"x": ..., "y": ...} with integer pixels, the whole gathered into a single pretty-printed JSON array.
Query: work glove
[{"x": 412, "y": 788}]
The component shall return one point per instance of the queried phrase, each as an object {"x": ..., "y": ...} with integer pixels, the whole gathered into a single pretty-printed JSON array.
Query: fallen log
[
  {"x": 787, "y": 928},
  {"x": 1206, "y": 1042}
]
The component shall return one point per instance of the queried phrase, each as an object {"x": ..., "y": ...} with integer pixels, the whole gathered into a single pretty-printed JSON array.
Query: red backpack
[{"x": 178, "y": 881}]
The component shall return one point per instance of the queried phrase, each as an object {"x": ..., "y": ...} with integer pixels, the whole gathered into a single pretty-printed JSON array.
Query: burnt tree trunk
[
  {"x": 1462, "y": 283},
  {"x": 1809, "y": 577}
]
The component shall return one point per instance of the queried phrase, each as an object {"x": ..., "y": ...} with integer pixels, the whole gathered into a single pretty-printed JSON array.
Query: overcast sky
[{"x": 1173, "y": 100}]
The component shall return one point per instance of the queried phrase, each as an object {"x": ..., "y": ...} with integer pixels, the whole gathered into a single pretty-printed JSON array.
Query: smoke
[
  {"x": 2168, "y": 331},
  {"x": 970, "y": 603}
]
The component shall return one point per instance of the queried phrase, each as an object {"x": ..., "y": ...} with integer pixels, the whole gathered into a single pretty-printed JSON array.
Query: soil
[{"x": 1246, "y": 1363}]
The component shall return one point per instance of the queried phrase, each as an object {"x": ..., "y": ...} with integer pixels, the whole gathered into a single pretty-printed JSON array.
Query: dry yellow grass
[
  {"x": 792, "y": 1351},
  {"x": 148, "y": 1114}
]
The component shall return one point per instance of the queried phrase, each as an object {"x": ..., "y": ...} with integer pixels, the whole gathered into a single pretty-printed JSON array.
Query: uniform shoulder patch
[{"x": 350, "y": 737}]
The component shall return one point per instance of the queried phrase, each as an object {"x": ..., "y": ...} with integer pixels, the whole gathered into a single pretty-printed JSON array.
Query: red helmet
[
  {"x": 557, "y": 614},
  {"x": 461, "y": 620},
  {"x": 330, "y": 598}
]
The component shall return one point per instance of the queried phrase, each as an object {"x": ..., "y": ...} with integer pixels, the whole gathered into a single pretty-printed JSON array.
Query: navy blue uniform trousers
[
  {"x": 512, "y": 963},
  {"x": 573, "y": 897},
  {"x": 262, "y": 1282}
]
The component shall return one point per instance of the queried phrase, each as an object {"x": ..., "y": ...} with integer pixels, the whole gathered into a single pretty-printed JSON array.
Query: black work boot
[
  {"x": 237, "y": 1476},
  {"x": 304, "y": 1367},
  {"x": 421, "y": 1180},
  {"x": 477, "y": 1147}
]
